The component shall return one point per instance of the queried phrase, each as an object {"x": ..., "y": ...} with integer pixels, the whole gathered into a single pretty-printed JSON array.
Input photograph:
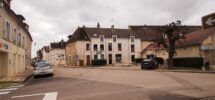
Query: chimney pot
[
  {"x": 98, "y": 25},
  {"x": 112, "y": 26}
]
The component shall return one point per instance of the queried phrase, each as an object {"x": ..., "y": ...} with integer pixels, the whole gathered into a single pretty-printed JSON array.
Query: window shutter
[{"x": 5, "y": 28}]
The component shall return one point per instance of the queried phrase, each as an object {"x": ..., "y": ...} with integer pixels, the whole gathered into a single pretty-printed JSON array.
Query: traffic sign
[{"x": 208, "y": 21}]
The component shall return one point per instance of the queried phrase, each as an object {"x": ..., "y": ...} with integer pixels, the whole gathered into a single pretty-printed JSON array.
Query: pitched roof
[
  {"x": 195, "y": 38},
  {"x": 154, "y": 47},
  {"x": 87, "y": 33},
  {"x": 17, "y": 18},
  {"x": 109, "y": 32},
  {"x": 58, "y": 45},
  {"x": 150, "y": 33},
  {"x": 79, "y": 34}
]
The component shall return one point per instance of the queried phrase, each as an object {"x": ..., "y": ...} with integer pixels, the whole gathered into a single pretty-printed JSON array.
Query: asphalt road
[{"x": 100, "y": 84}]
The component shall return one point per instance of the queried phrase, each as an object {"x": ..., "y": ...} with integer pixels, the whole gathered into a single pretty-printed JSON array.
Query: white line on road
[
  {"x": 48, "y": 96},
  {"x": 1, "y": 93},
  {"x": 10, "y": 89}
]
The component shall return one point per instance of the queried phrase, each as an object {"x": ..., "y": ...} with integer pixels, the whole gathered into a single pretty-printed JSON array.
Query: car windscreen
[
  {"x": 147, "y": 60},
  {"x": 42, "y": 64}
]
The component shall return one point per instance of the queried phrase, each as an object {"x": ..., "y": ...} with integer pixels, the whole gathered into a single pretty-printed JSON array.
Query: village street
[{"x": 117, "y": 84}]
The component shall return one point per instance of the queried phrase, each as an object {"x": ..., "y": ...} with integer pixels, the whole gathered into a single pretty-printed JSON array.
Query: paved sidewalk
[
  {"x": 111, "y": 67},
  {"x": 187, "y": 71},
  {"x": 138, "y": 68},
  {"x": 19, "y": 78}
]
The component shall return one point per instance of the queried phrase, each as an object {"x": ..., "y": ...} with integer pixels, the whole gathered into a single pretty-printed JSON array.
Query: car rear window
[{"x": 42, "y": 64}]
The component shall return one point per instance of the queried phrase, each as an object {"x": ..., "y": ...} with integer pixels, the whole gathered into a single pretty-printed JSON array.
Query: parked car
[
  {"x": 149, "y": 63},
  {"x": 42, "y": 68}
]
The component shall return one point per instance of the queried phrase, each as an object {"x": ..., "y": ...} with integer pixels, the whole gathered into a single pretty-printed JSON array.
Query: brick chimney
[
  {"x": 98, "y": 25},
  {"x": 112, "y": 26}
]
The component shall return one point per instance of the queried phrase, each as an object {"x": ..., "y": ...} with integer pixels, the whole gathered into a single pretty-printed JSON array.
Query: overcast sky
[{"x": 52, "y": 20}]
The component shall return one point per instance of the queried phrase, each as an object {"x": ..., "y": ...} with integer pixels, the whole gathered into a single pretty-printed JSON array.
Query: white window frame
[
  {"x": 6, "y": 35},
  {"x": 113, "y": 38},
  {"x": 14, "y": 35},
  {"x": 101, "y": 36},
  {"x": 131, "y": 39}
]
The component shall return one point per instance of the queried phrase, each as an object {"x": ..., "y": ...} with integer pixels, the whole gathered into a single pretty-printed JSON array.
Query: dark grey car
[{"x": 149, "y": 63}]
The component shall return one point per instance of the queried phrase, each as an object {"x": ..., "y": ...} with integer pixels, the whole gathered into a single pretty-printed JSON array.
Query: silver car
[{"x": 42, "y": 68}]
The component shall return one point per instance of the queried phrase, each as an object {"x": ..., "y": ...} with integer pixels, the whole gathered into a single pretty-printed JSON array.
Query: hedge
[
  {"x": 190, "y": 62},
  {"x": 159, "y": 60},
  {"x": 99, "y": 62}
]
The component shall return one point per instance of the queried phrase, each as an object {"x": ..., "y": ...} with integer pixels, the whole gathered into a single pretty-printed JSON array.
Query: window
[
  {"x": 95, "y": 47},
  {"x": 132, "y": 48},
  {"x": 132, "y": 58},
  {"x": 19, "y": 39},
  {"x": 114, "y": 38},
  {"x": 6, "y": 34},
  {"x": 14, "y": 35},
  {"x": 87, "y": 47},
  {"x": 95, "y": 57},
  {"x": 119, "y": 47},
  {"x": 110, "y": 46},
  {"x": 132, "y": 39},
  {"x": 118, "y": 58},
  {"x": 23, "y": 42},
  {"x": 102, "y": 47},
  {"x": 102, "y": 56},
  {"x": 101, "y": 38}
]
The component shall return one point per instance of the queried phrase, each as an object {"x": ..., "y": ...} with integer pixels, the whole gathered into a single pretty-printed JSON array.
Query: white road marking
[
  {"x": 1, "y": 93},
  {"x": 9, "y": 89},
  {"x": 48, "y": 96}
]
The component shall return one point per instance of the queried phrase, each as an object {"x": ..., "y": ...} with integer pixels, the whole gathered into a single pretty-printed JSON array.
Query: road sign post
[{"x": 208, "y": 21}]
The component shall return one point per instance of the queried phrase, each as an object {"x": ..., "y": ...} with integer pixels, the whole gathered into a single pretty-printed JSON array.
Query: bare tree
[{"x": 171, "y": 34}]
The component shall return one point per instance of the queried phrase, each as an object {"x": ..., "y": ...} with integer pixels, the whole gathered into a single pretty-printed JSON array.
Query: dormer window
[
  {"x": 101, "y": 37},
  {"x": 114, "y": 38},
  {"x": 132, "y": 38}
]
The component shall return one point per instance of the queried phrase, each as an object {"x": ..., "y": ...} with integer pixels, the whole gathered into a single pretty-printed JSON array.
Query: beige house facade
[
  {"x": 116, "y": 46},
  {"x": 15, "y": 42},
  {"x": 53, "y": 54},
  {"x": 199, "y": 44}
]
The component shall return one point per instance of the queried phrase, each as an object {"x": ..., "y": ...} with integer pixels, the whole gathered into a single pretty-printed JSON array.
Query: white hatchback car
[{"x": 43, "y": 68}]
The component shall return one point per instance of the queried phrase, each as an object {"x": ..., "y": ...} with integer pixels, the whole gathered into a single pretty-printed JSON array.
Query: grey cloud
[{"x": 51, "y": 20}]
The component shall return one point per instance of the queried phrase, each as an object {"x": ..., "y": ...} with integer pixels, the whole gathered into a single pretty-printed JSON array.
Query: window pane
[
  {"x": 132, "y": 48},
  {"x": 110, "y": 46},
  {"x": 95, "y": 47},
  {"x": 102, "y": 47},
  {"x": 119, "y": 47}
]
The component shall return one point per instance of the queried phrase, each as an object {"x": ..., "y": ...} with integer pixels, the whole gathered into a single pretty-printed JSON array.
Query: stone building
[
  {"x": 116, "y": 46},
  {"x": 15, "y": 41}
]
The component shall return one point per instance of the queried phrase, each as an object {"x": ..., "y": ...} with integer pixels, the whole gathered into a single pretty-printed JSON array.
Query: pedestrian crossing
[{"x": 9, "y": 89}]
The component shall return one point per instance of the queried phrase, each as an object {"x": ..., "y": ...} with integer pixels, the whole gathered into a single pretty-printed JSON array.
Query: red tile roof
[
  {"x": 150, "y": 33},
  {"x": 195, "y": 38}
]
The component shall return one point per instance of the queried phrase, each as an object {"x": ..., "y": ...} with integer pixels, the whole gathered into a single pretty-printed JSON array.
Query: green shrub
[
  {"x": 190, "y": 62},
  {"x": 138, "y": 60},
  {"x": 99, "y": 62}
]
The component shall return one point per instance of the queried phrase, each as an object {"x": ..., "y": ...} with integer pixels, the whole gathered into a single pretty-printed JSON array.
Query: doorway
[
  {"x": 118, "y": 58},
  {"x": 88, "y": 59},
  {"x": 3, "y": 64},
  {"x": 110, "y": 58}
]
